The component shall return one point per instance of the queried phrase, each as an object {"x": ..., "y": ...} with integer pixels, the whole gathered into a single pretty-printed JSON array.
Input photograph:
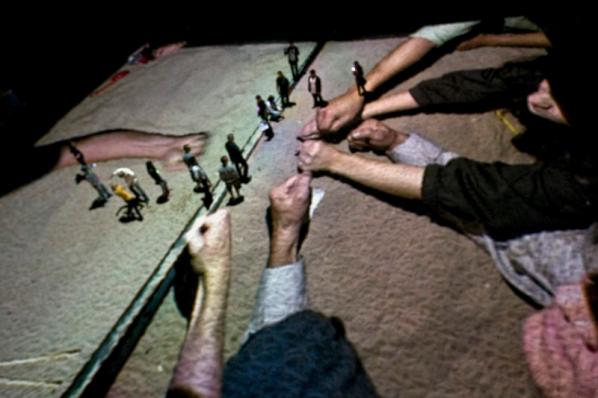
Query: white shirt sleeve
[
  {"x": 521, "y": 23},
  {"x": 440, "y": 34}
]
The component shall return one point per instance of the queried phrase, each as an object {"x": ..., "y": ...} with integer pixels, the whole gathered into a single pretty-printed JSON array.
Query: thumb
[
  {"x": 216, "y": 224},
  {"x": 309, "y": 129},
  {"x": 290, "y": 183},
  {"x": 194, "y": 237}
]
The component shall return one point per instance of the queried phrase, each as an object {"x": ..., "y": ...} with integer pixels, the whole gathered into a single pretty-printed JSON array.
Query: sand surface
[{"x": 424, "y": 306}]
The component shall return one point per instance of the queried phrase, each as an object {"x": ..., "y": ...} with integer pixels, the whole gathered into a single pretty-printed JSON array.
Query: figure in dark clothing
[
  {"x": 292, "y": 52},
  {"x": 274, "y": 112},
  {"x": 236, "y": 156},
  {"x": 77, "y": 153},
  {"x": 359, "y": 79},
  {"x": 95, "y": 182},
  {"x": 262, "y": 108},
  {"x": 266, "y": 129},
  {"x": 188, "y": 157},
  {"x": 314, "y": 86},
  {"x": 282, "y": 87},
  {"x": 155, "y": 174},
  {"x": 272, "y": 104}
]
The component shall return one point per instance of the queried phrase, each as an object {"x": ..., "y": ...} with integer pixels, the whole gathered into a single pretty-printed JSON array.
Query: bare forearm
[
  {"x": 200, "y": 364},
  {"x": 114, "y": 145},
  {"x": 394, "y": 103},
  {"x": 283, "y": 247},
  {"x": 402, "y": 57},
  {"x": 396, "y": 179},
  {"x": 533, "y": 39}
]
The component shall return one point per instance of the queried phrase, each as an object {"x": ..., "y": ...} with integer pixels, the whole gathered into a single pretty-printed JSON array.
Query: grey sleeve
[
  {"x": 418, "y": 151},
  {"x": 440, "y": 34},
  {"x": 281, "y": 293}
]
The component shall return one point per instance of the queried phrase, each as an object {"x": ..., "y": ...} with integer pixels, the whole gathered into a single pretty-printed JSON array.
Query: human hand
[
  {"x": 289, "y": 203},
  {"x": 337, "y": 114},
  {"x": 208, "y": 242},
  {"x": 316, "y": 155},
  {"x": 171, "y": 151},
  {"x": 168, "y": 49},
  {"x": 288, "y": 214},
  {"x": 376, "y": 136}
]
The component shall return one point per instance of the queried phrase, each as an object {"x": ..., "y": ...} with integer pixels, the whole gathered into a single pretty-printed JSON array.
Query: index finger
[
  {"x": 309, "y": 130},
  {"x": 299, "y": 182}
]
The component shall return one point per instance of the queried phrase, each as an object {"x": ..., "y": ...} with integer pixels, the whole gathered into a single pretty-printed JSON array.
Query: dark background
[{"x": 51, "y": 62}]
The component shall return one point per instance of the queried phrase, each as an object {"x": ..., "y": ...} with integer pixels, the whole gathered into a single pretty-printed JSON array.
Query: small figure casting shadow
[
  {"x": 235, "y": 201},
  {"x": 208, "y": 198},
  {"x": 133, "y": 211},
  {"x": 162, "y": 199}
]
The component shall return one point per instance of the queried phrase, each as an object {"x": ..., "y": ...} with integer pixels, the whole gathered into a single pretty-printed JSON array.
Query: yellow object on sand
[
  {"x": 502, "y": 116},
  {"x": 119, "y": 190}
]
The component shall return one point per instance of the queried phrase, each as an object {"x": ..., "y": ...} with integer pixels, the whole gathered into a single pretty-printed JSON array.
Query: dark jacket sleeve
[
  {"x": 483, "y": 87},
  {"x": 509, "y": 200}
]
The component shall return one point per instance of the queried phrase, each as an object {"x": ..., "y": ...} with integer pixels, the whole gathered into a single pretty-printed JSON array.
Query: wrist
[
  {"x": 211, "y": 268},
  {"x": 285, "y": 235},
  {"x": 283, "y": 247},
  {"x": 156, "y": 145},
  {"x": 336, "y": 162},
  {"x": 399, "y": 138},
  {"x": 368, "y": 111},
  {"x": 216, "y": 283}
]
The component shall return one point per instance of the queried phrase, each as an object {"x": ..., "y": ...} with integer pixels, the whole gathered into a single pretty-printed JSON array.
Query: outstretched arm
[
  {"x": 399, "y": 59},
  {"x": 399, "y": 102},
  {"x": 119, "y": 144},
  {"x": 396, "y": 179},
  {"x": 289, "y": 205},
  {"x": 282, "y": 289},
  {"x": 531, "y": 39},
  {"x": 345, "y": 109},
  {"x": 199, "y": 369}
]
